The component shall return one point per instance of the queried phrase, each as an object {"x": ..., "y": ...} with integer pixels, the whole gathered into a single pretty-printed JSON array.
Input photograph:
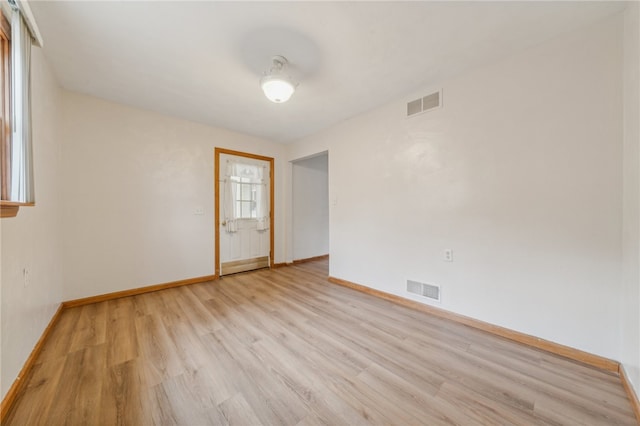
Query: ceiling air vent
[
  {"x": 430, "y": 291},
  {"x": 424, "y": 104}
]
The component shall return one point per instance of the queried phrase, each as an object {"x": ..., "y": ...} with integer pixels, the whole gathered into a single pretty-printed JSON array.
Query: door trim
[{"x": 216, "y": 186}]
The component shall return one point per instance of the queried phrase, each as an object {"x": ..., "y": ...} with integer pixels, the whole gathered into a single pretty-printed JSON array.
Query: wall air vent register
[
  {"x": 430, "y": 291},
  {"x": 424, "y": 104}
]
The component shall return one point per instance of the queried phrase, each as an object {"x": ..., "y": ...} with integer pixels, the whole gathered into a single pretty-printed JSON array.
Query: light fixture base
[
  {"x": 276, "y": 85},
  {"x": 279, "y": 61}
]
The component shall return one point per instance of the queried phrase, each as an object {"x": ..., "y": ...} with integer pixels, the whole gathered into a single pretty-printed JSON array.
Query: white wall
[
  {"x": 519, "y": 173},
  {"x": 630, "y": 295},
  {"x": 310, "y": 180},
  {"x": 132, "y": 180},
  {"x": 32, "y": 239}
]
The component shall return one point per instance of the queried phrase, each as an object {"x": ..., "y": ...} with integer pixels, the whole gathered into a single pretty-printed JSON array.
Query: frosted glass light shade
[{"x": 277, "y": 88}]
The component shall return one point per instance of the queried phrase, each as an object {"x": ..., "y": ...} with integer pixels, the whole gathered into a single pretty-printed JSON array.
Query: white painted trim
[{"x": 24, "y": 7}]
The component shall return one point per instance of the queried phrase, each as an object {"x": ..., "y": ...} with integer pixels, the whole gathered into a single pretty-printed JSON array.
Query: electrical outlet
[
  {"x": 198, "y": 211},
  {"x": 448, "y": 255},
  {"x": 25, "y": 276}
]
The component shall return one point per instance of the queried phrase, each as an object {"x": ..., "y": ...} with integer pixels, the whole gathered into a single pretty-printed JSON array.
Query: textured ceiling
[{"x": 202, "y": 61}]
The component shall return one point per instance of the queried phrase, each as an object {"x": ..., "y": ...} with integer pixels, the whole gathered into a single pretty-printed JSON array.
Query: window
[
  {"x": 5, "y": 114},
  {"x": 16, "y": 164},
  {"x": 246, "y": 195}
]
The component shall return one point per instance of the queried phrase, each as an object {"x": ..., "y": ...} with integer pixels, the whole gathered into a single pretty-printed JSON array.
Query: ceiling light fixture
[{"x": 276, "y": 85}]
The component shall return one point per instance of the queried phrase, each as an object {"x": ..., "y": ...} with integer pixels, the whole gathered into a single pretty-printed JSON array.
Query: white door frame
[{"x": 216, "y": 187}]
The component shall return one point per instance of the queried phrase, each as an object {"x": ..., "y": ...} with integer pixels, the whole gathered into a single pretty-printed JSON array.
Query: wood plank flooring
[{"x": 285, "y": 347}]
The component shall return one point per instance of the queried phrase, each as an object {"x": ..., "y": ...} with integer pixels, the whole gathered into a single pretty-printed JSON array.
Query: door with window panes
[{"x": 244, "y": 213}]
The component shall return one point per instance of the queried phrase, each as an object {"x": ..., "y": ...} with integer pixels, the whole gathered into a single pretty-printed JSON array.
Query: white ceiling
[{"x": 202, "y": 60}]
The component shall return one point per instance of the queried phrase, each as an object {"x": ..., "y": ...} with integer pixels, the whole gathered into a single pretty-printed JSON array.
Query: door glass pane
[{"x": 246, "y": 192}]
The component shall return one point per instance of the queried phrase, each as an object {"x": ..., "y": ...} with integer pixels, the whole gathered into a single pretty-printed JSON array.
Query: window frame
[
  {"x": 240, "y": 200},
  {"x": 8, "y": 207},
  {"x": 5, "y": 106}
]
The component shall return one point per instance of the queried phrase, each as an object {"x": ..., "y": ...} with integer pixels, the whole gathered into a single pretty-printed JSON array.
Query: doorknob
[{"x": 223, "y": 223}]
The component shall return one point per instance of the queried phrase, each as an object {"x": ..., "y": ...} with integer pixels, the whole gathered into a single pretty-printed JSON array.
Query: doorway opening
[{"x": 310, "y": 207}]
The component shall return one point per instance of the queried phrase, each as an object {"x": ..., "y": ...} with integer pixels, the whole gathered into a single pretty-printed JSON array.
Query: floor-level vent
[
  {"x": 425, "y": 103},
  {"x": 430, "y": 291}
]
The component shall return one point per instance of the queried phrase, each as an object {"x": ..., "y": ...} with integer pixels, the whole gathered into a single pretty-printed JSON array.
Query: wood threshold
[
  {"x": 633, "y": 396},
  {"x": 536, "y": 342},
  {"x": 135, "y": 291},
  {"x": 310, "y": 259},
  {"x": 19, "y": 382},
  {"x": 244, "y": 265}
]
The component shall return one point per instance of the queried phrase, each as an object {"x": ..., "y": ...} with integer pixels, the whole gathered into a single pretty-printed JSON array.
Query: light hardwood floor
[{"x": 285, "y": 347}]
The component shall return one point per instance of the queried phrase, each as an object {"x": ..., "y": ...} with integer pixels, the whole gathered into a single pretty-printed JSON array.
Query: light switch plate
[{"x": 448, "y": 255}]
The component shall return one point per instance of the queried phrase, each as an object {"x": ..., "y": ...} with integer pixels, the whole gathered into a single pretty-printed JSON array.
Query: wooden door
[{"x": 244, "y": 219}]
